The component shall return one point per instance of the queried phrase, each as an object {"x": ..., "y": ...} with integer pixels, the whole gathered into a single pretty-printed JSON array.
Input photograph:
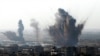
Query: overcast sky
[{"x": 44, "y": 10}]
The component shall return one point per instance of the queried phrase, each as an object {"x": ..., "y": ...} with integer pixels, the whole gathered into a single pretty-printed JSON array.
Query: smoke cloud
[
  {"x": 64, "y": 32},
  {"x": 12, "y": 35},
  {"x": 20, "y": 30},
  {"x": 34, "y": 24}
]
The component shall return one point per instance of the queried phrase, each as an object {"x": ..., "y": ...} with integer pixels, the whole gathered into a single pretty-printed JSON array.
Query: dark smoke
[
  {"x": 12, "y": 35},
  {"x": 20, "y": 30},
  {"x": 64, "y": 32}
]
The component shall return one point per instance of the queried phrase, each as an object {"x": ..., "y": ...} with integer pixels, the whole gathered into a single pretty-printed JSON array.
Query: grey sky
[{"x": 44, "y": 10}]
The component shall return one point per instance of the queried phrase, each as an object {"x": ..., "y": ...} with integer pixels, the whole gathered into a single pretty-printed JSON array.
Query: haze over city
[
  {"x": 44, "y": 12},
  {"x": 49, "y": 28}
]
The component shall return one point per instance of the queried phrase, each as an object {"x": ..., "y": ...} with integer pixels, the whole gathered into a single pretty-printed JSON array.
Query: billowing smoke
[
  {"x": 64, "y": 32},
  {"x": 20, "y": 30},
  {"x": 12, "y": 35},
  {"x": 34, "y": 25}
]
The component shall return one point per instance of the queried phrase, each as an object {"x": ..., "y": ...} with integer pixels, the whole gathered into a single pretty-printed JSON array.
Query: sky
[{"x": 44, "y": 11}]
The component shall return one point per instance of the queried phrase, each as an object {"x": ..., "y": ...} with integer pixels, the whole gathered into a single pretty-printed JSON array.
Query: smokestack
[{"x": 64, "y": 32}]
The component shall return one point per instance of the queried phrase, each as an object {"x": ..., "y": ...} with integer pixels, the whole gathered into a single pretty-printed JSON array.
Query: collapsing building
[
  {"x": 12, "y": 35},
  {"x": 64, "y": 32}
]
